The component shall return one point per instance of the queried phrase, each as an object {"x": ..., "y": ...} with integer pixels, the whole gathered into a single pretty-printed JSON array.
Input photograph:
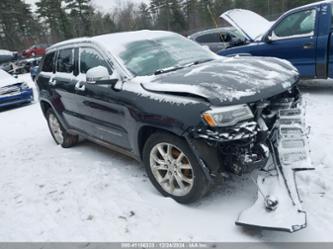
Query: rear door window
[
  {"x": 90, "y": 58},
  {"x": 48, "y": 64},
  {"x": 65, "y": 61}
]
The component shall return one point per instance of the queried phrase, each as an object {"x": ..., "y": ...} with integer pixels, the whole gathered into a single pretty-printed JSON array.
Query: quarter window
[
  {"x": 297, "y": 24},
  {"x": 65, "y": 61},
  {"x": 48, "y": 64},
  {"x": 89, "y": 58}
]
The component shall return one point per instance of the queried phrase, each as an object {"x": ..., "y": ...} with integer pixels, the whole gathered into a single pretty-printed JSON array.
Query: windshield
[{"x": 146, "y": 57}]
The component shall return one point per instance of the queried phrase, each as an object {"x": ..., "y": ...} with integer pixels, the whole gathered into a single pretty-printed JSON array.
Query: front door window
[
  {"x": 90, "y": 58},
  {"x": 300, "y": 24}
]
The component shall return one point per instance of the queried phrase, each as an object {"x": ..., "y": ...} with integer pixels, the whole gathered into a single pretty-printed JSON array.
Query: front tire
[
  {"x": 173, "y": 169},
  {"x": 59, "y": 134}
]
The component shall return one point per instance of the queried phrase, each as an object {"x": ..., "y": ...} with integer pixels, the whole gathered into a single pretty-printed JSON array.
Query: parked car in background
[
  {"x": 6, "y": 55},
  {"x": 34, "y": 71},
  {"x": 32, "y": 66},
  {"x": 30, "y": 63},
  {"x": 35, "y": 51},
  {"x": 13, "y": 91},
  {"x": 14, "y": 68},
  {"x": 21, "y": 66},
  {"x": 6, "y": 66},
  {"x": 219, "y": 38},
  {"x": 302, "y": 36}
]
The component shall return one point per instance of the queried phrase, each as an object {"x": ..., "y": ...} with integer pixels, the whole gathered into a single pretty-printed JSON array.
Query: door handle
[
  {"x": 308, "y": 46},
  {"x": 80, "y": 86},
  {"x": 52, "y": 82}
]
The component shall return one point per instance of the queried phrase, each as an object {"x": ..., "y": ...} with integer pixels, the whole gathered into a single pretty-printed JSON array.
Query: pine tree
[
  {"x": 192, "y": 15},
  {"x": 144, "y": 19},
  {"x": 168, "y": 14},
  {"x": 55, "y": 18},
  {"x": 80, "y": 16},
  {"x": 18, "y": 27},
  {"x": 206, "y": 14},
  {"x": 177, "y": 21}
]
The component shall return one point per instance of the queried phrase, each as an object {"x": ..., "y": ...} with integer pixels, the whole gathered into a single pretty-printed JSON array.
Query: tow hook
[{"x": 271, "y": 203}]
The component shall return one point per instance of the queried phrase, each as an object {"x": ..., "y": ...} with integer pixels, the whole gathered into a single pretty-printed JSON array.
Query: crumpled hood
[
  {"x": 6, "y": 79},
  {"x": 227, "y": 81}
]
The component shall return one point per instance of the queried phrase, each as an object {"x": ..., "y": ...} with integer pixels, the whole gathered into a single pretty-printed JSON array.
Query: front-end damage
[{"x": 275, "y": 142}]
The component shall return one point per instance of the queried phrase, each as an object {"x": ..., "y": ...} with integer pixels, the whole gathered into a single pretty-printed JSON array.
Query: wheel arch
[
  {"x": 45, "y": 105},
  {"x": 146, "y": 131}
]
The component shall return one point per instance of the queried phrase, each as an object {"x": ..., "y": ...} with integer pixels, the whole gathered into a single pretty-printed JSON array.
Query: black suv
[{"x": 189, "y": 115}]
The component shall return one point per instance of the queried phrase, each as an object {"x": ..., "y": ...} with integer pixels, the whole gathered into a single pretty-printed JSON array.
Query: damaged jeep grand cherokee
[{"x": 187, "y": 114}]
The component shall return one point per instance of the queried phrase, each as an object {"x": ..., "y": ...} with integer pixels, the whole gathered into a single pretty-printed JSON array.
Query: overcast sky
[{"x": 105, "y": 5}]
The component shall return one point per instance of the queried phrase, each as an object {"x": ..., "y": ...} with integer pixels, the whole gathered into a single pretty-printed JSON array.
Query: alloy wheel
[
  {"x": 172, "y": 169},
  {"x": 56, "y": 129}
]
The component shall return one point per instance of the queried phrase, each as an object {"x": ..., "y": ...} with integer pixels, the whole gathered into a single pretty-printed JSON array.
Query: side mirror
[
  {"x": 97, "y": 74},
  {"x": 100, "y": 75}
]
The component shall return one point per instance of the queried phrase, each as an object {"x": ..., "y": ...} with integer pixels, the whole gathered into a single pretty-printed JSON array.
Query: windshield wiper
[
  {"x": 202, "y": 61},
  {"x": 198, "y": 62},
  {"x": 168, "y": 70},
  {"x": 171, "y": 69}
]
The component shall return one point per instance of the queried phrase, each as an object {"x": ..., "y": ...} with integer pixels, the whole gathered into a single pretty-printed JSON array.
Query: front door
[
  {"x": 100, "y": 107},
  {"x": 293, "y": 39}
]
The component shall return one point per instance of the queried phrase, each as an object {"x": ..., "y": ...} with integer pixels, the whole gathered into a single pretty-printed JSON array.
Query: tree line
[{"x": 56, "y": 20}]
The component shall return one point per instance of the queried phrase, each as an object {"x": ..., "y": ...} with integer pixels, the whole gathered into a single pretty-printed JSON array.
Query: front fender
[
  {"x": 245, "y": 50},
  {"x": 46, "y": 102}
]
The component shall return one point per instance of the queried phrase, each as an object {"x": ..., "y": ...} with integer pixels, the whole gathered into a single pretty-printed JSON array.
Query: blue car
[
  {"x": 13, "y": 91},
  {"x": 303, "y": 36},
  {"x": 34, "y": 71}
]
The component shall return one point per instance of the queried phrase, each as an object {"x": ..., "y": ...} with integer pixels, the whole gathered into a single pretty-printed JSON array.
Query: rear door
[
  {"x": 101, "y": 111},
  {"x": 47, "y": 71},
  {"x": 294, "y": 39},
  {"x": 63, "y": 85}
]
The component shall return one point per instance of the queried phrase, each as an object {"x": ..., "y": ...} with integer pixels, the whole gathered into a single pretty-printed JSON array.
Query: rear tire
[
  {"x": 173, "y": 168},
  {"x": 59, "y": 134}
]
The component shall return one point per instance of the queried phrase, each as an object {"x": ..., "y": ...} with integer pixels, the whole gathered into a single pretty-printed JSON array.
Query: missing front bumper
[{"x": 278, "y": 205}]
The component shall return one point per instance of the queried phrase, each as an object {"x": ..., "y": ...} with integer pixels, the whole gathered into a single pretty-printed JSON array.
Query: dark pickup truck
[{"x": 302, "y": 36}]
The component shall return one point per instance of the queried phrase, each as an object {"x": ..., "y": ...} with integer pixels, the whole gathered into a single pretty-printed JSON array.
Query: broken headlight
[
  {"x": 24, "y": 86},
  {"x": 227, "y": 116}
]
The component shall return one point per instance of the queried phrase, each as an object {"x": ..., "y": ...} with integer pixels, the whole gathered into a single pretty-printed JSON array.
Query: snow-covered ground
[{"x": 88, "y": 193}]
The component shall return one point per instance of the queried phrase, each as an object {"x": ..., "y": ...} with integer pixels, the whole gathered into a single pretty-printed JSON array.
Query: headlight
[
  {"x": 227, "y": 116},
  {"x": 24, "y": 86}
]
